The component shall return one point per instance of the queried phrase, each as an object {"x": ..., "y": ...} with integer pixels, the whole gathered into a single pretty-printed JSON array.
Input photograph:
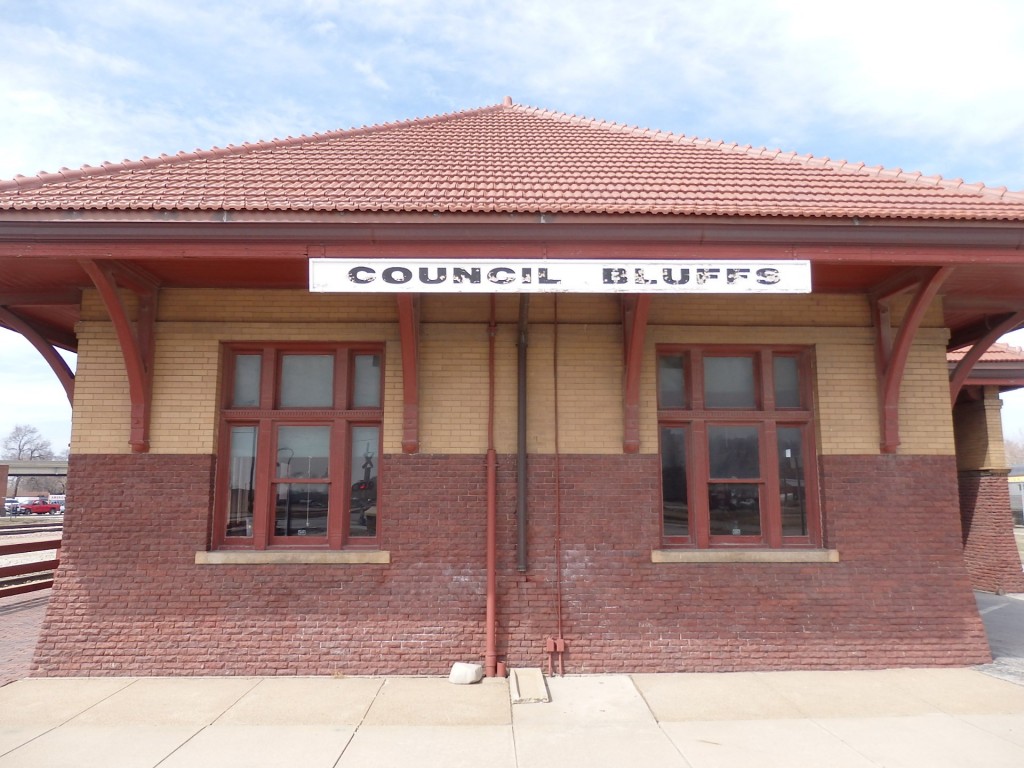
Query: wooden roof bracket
[
  {"x": 969, "y": 360},
  {"x": 409, "y": 332},
  {"x": 35, "y": 337},
  {"x": 635, "y": 311},
  {"x": 891, "y": 353},
  {"x": 137, "y": 339}
]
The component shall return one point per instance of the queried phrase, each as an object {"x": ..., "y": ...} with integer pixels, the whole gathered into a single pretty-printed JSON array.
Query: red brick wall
[
  {"x": 990, "y": 550},
  {"x": 130, "y": 600}
]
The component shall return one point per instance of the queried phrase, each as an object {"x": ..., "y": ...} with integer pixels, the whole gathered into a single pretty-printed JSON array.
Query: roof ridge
[
  {"x": 609, "y": 125},
  {"x": 108, "y": 168},
  {"x": 879, "y": 171}
]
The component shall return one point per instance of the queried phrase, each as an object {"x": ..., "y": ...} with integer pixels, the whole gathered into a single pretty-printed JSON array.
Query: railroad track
[{"x": 14, "y": 530}]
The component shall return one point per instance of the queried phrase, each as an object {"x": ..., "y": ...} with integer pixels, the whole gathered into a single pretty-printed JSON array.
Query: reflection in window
[
  {"x": 293, "y": 444},
  {"x": 733, "y": 452},
  {"x": 791, "y": 482},
  {"x": 366, "y": 388},
  {"x": 671, "y": 382},
  {"x": 241, "y": 483},
  {"x": 735, "y": 509},
  {"x": 301, "y": 509},
  {"x": 307, "y": 381},
  {"x": 675, "y": 506},
  {"x": 729, "y": 382},
  {"x": 787, "y": 381},
  {"x": 246, "y": 392},
  {"x": 736, "y": 443},
  {"x": 365, "y": 457},
  {"x": 303, "y": 451}
]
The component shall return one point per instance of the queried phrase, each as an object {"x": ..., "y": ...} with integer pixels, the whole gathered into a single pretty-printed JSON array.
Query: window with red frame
[
  {"x": 737, "y": 447},
  {"x": 300, "y": 450}
]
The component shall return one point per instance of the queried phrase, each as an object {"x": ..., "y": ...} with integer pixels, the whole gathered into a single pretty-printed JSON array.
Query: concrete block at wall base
[{"x": 466, "y": 674}]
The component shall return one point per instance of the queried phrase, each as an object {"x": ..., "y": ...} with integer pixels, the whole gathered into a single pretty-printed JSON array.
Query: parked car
[{"x": 41, "y": 507}]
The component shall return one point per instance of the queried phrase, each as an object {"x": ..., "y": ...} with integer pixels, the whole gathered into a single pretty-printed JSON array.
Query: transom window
[
  {"x": 737, "y": 450},
  {"x": 300, "y": 446}
]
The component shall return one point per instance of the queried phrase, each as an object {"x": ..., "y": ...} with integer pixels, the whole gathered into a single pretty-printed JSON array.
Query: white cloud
[{"x": 916, "y": 84}]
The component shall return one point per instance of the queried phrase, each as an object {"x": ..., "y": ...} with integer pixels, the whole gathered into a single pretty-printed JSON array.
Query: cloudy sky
[{"x": 928, "y": 85}]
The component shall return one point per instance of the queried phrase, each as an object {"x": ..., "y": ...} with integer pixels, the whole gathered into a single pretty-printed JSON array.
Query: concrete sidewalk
[{"x": 906, "y": 717}]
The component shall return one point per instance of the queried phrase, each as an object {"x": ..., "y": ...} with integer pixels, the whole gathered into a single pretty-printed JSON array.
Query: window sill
[
  {"x": 278, "y": 557},
  {"x": 745, "y": 556}
]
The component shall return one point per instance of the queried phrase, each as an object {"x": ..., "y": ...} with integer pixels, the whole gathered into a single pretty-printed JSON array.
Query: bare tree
[
  {"x": 1014, "y": 451},
  {"x": 25, "y": 443}
]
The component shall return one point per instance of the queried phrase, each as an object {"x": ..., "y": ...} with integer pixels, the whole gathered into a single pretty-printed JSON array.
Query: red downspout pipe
[
  {"x": 491, "y": 652},
  {"x": 556, "y": 645}
]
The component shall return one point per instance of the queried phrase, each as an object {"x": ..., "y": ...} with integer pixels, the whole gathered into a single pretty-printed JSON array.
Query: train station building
[{"x": 518, "y": 387}]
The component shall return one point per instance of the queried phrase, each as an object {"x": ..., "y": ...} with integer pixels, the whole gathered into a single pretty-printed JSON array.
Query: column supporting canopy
[
  {"x": 892, "y": 352},
  {"x": 135, "y": 338},
  {"x": 635, "y": 310},
  {"x": 409, "y": 331}
]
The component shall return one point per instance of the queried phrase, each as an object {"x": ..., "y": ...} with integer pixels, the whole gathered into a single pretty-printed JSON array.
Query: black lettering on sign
[
  {"x": 354, "y": 275},
  {"x": 640, "y": 278},
  {"x": 501, "y": 275},
  {"x": 669, "y": 276},
  {"x": 615, "y": 276},
  {"x": 543, "y": 279},
  {"x": 426, "y": 279},
  {"x": 707, "y": 274},
  {"x": 462, "y": 275},
  {"x": 397, "y": 275},
  {"x": 734, "y": 274}
]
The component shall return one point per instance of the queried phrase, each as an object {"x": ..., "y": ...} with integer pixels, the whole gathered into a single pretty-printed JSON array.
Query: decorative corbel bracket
[
  {"x": 891, "y": 353},
  {"x": 635, "y": 311},
  {"x": 409, "y": 332},
  {"x": 36, "y": 338},
  {"x": 136, "y": 339},
  {"x": 974, "y": 354}
]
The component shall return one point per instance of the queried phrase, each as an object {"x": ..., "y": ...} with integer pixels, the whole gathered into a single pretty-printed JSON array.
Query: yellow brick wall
[
  {"x": 979, "y": 433},
  {"x": 454, "y": 372}
]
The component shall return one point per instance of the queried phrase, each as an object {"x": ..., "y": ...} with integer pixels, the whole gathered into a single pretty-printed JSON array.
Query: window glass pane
[
  {"x": 365, "y": 459},
  {"x": 303, "y": 452},
  {"x": 729, "y": 382},
  {"x": 675, "y": 502},
  {"x": 735, "y": 509},
  {"x": 671, "y": 382},
  {"x": 733, "y": 452},
  {"x": 240, "y": 487},
  {"x": 301, "y": 509},
  {"x": 787, "y": 382},
  {"x": 791, "y": 481},
  {"x": 246, "y": 393},
  {"x": 307, "y": 381},
  {"x": 366, "y": 388}
]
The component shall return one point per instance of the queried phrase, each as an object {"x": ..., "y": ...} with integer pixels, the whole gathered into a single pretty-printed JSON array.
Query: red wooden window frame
[
  {"x": 340, "y": 417},
  {"x": 767, "y": 417}
]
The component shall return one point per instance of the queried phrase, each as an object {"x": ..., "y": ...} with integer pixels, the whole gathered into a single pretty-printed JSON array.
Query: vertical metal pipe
[
  {"x": 524, "y": 311},
  {"x": 491, "y": 618}
]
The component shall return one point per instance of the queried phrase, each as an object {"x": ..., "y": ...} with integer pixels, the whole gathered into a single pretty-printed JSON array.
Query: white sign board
[{"x": 327, "y": 275}]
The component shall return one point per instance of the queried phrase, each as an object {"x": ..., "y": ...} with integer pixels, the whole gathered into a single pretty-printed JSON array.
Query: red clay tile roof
[
  {"x": 509, "y": 159},
  {"x": 997, "y": 353}
]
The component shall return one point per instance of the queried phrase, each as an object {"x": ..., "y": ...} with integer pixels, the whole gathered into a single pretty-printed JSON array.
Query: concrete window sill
[
  {"x": 745, "y": 556},
  {"x": 268, "y": 557}
]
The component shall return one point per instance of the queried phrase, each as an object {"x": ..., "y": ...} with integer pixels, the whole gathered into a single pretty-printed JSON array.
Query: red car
[{"x": 40, "y": 507}]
